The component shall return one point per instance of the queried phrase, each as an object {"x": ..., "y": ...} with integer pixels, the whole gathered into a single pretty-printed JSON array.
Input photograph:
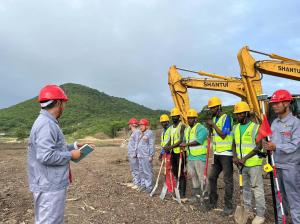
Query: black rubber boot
[
  {"x": 210, "y": 203},
  {"x": 228, "y": 209}
]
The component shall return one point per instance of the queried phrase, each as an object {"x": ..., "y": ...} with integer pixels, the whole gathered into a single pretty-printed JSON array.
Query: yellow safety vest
[
  {"x": 246, "y": 143},
  {"x": 165, "y": 137},
  {"x": 175, "y": 137},
  {"x": 190, "y": 136},
  {"x": 219, "y": 144}
]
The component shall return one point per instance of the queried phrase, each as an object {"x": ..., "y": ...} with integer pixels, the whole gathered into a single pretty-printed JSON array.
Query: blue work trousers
[
  {"x": 134, "y": 167},
  {"x": 49, "y": 207},
  {"x": 146, "y": 172},
  {"x": 289, "y": 185}
]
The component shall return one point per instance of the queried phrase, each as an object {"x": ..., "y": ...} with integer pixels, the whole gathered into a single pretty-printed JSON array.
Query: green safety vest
[
  {"x": 219, "y": 144},
  {"x": 175, "y": 137},
  {"x": 190, "y": 136},
  {"x": 246, "y": 143},
  {"x": 165, "y": 137}
]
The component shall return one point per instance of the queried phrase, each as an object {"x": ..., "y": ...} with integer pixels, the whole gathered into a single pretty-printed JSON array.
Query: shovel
[
  {"x": 156, "y": 184},
  {"x": 241, "y": 215},
  {"x": 164, "y": 190},
  {"x": 177, "y": 185},
  {"x": 204, "y": 195}
]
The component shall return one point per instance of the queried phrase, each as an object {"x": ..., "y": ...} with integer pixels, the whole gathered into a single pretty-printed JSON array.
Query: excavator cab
[
  {"x": 295, "y": 108},
  {"x": 296, "y": 105}
]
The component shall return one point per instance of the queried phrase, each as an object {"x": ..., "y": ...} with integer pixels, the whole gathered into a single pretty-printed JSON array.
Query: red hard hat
[
  {"x": 280, "y": 96},
  {"x": 52, "y": 92},
  {"x": 144, "y": 122},
  {"x": 133, "y": 121}
]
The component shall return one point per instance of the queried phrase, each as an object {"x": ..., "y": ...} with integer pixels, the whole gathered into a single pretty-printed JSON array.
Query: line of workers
[{"x": 232, "y": 144}]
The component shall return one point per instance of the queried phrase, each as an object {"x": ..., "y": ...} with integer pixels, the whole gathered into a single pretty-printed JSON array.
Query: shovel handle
[
  {"x": 171, "y": 180},
  {"x": 179, "y": 166},
  {"x": 207, "y": 156},
  {"x": 161, "y": 165},
  {"x": 165, "y": 159}
]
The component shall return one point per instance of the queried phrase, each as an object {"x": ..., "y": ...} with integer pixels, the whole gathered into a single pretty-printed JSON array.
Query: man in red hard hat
[
  {"x": 132, "y": 153},
  {"x": 145, "y": 153},
  {"x": 285, "y": 143},
  {"x": 48, "y": 158}
]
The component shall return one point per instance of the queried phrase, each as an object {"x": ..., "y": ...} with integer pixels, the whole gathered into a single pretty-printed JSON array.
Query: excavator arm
[
  {"x": 179, "y": 92},
  {"x": 179, "y": 87},
  {"x": 252, "y": 70}
]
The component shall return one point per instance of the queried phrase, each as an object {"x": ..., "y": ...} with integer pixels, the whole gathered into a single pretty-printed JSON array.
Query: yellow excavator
[{"x": 248, "y": 86}]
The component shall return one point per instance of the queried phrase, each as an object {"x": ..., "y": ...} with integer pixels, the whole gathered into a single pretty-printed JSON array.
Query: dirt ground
[{"x": 97, "y": 195}]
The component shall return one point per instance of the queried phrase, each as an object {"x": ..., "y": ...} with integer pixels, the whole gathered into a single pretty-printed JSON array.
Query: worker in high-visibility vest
[
  {"x": 220, "y": 126},
  {"x": 166, "y": 133},
  {"x": 195, "y": 144},
  {"x": 245, "y": 149},
  {"x": 285, "y": 144},
  {"x": 165, "y": 139},
  {"x": 176, "y": 138}
]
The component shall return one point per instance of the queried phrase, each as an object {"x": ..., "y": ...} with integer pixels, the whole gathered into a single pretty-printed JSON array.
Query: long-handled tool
[
  {"x": 157, "y": 179},
  {"x": 177, "y": 185},
  {"x": 164, "y": 189},
  {"x": 204, "y": 196},
  {"x": 241, "y": 214}
]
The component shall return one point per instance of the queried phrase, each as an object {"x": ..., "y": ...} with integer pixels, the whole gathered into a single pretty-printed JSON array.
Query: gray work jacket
[
  {"x": 132, "y": 152},
  {"x": 48, "y": 155},
  {"x": 286, "y": 137},
  {"x": 145, "y": 144}
]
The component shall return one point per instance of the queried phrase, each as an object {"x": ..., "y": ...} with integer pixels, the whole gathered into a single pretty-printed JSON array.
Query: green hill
[{"x": 87, "y": 112}]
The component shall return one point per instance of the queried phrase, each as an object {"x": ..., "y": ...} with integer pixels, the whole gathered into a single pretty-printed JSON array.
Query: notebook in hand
[{"x": 84, "y": 150}]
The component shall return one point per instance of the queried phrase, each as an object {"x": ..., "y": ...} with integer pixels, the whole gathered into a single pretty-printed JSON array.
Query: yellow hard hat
[
  {"x": 214, "y": 101},
  {"x": 192, "y": 113},
  {"x": 241, "y": 107},
  {"x": 164, "y": 118},
  {"x": 175, "y": 112}
]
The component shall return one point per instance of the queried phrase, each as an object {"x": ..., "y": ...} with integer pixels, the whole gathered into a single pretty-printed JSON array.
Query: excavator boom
[
  {"x": 279, "y": 69},
  {"x": 233, "y": 87}
]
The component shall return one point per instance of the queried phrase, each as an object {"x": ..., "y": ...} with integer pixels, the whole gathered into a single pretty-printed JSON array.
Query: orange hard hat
[{"x": 52, "y": 92}]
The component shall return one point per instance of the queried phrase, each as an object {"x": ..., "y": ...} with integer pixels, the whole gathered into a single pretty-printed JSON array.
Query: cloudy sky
[{"x": 125, "y": 47}]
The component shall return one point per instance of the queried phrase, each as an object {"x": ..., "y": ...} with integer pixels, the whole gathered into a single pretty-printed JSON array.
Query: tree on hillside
[{"x": 21, "y": 133}]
